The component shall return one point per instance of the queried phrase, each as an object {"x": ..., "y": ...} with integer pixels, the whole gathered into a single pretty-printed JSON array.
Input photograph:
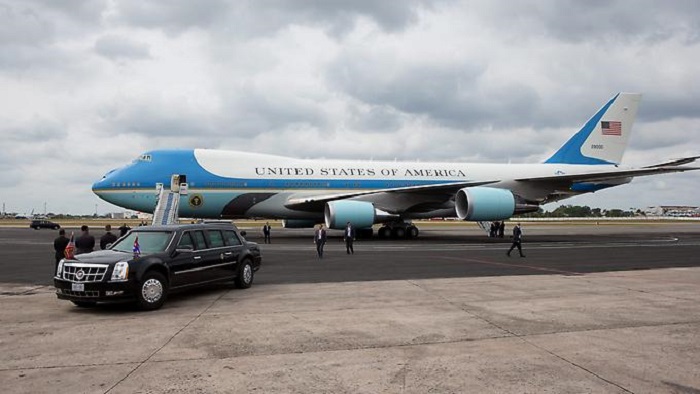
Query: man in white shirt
[
  {"x": 320, "y": 240},
  {"x": 349, "y": 237}
]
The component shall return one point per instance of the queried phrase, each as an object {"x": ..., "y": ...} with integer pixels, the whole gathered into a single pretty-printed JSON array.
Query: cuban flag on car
[
  {"x": 137, "y": 248},
  {"x": 69, "y": 252}
]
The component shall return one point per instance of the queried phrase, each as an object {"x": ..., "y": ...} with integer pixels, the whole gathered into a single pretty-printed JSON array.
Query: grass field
[{"x": 101, "y": 222}]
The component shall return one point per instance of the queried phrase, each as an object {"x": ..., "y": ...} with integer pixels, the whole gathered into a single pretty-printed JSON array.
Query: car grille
[
  {"x": 85, "y": 294},
  {"x": 84, "y": 273}
]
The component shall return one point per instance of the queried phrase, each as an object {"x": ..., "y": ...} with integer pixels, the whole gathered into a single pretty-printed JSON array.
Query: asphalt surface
[
  {"x": 446, "y": 313},
  {"x": 439, "y": 252}
]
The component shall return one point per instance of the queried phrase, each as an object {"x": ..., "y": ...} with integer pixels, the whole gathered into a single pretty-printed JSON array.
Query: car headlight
[
  {"x": 59, "y": 270},
  {"x": 121, "y": 271}
]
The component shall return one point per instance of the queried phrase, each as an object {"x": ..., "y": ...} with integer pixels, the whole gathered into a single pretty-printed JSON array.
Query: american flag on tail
[
  {"x": 69, "y": 252},
  {"x": 137, "y": 248},
  {"x": 611, "y": 128}
]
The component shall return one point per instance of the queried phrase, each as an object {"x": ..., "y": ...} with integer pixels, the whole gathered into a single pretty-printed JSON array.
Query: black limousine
[{"x": 148, "y": 263}]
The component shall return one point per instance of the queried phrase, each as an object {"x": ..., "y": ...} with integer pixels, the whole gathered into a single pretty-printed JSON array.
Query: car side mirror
[{"x": 243, "y": 233}]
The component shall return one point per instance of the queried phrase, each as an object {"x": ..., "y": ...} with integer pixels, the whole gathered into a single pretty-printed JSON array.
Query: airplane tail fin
[{"x": 603, "y": 139}]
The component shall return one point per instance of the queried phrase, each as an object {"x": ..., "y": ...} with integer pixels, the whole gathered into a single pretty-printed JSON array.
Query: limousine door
[
  {"x": 222, "y": 258},
  {"x": 188, "y": 264}
]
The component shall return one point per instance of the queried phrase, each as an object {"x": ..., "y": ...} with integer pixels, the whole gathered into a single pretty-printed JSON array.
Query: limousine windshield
[{"x": 148, "y": 241}]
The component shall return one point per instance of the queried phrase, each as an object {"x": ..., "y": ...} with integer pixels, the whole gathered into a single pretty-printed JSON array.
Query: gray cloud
[
  {"x": 266, "y": 17},
  {"x": 576, "y": 21},
  {"x": 411, "y": 80},
  {"x": 22, "y": 24},
  {"x": 116, "y": 47}
]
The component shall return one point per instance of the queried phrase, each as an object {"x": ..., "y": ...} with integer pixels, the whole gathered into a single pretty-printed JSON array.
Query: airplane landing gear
[{"x": 398, "y": 230}]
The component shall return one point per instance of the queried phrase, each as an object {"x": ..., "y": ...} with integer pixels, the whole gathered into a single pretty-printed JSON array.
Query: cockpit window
[{"x": 145, "y": 157}]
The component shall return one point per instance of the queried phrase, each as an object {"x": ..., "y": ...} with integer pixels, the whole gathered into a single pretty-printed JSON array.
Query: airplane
[{"x": 304, "y": 192}]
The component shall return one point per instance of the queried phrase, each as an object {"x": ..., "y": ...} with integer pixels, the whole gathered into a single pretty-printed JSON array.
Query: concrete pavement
[{"x": 634, "y": 331}]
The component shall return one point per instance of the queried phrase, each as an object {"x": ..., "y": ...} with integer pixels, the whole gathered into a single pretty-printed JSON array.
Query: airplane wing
[
  {"x": 315, "y": 202},
  {"x": 608, "y": 175}
]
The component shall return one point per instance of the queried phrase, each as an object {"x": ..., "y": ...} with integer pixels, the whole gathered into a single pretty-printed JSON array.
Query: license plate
[{"x": 78, "y": 286}]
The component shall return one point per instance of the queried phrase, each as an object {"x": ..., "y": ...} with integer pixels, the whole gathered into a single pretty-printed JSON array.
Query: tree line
[{"x": 582, "y": 211}]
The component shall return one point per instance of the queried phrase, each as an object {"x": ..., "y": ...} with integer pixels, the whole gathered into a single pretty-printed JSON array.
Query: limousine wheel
[
  {"x": 245, "y": 275},
  {"x": 153, "y": 291}
]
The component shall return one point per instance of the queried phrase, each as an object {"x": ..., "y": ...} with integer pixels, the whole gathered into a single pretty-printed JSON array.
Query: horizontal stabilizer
[{"x": 676, "y": 162}]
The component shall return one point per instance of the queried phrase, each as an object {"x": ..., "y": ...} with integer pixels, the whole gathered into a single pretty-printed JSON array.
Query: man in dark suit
[
  {"x": 320, "y": 240},
  {"x": 266, "y": 232},
  {"x": 108, "y": 238},
  {"x": 123, "y": 230},
  {"x": 349, "y": 237},
  {"x": 59, "y": 245},
  {"x": 517, "y": 240},
  {"x": 85, "y": 242}
]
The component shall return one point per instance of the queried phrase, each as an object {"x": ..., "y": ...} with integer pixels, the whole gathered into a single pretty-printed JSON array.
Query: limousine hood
[{"x": 103, "y": 257}]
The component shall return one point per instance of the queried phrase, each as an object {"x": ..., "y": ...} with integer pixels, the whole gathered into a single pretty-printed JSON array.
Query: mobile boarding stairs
[{"x": 168, "y": 201}]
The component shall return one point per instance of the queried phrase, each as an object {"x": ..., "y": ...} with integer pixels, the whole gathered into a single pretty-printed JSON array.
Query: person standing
[
  {"x": 85, "y": 242},
  {"x": 501, "y": 229},
  {"x": 349, "y": 237},
  {"x": 59, "y": 245},
  {"x": 266, "y": 232},
  {"x": 123, "y": 230},
  {"x": 320, "y": 240},
  {"x": 108, "y": 238},
  {"x": 517, "y": 240}
]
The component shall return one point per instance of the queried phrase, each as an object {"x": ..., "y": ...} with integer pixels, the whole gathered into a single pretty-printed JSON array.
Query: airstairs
[
  {"x": 486, "y": 226},
  {"x": 168, "y": 201}
]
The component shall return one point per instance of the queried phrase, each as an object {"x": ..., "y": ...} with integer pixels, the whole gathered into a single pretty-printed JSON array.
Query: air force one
[{"x": 302, "y": 192}]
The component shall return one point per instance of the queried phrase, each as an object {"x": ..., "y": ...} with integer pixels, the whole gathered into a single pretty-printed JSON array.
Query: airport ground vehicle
[
  {"x": 150, "y": 262},
  {"x": 37, "y": 224}
]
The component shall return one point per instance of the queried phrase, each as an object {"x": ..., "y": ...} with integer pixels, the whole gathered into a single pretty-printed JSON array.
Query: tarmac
[{"x": 591, "y": 309}]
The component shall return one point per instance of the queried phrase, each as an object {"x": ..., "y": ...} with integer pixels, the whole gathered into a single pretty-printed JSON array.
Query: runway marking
[
  {"x": 485, "y": 247},
  {"x": 533, "y": 267}
]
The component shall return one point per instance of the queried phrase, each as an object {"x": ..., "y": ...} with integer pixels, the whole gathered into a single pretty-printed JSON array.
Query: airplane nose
[
  {"x": 102, "y": 183},
  {"x": 99, "y": 185}
]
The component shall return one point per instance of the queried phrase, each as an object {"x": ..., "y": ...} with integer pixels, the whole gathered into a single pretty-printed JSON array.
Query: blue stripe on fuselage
[{"x": 162, "y": 164}]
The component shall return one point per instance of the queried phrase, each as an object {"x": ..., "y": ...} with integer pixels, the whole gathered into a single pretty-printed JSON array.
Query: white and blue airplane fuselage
[{"x": 231, "y": 184}]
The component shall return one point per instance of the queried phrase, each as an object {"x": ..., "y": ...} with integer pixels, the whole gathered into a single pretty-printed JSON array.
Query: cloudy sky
[{"x": 85, "y": 86}]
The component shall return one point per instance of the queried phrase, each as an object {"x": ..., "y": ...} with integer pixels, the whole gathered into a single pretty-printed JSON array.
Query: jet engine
[
  {"x": 484, "y": 204},
  {"x": 361, "y": 214}
]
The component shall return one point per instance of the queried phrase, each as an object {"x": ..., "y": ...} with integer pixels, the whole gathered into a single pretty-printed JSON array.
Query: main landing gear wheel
[
  {"x": 412, "y": 232},
  {"x": 398, "y": 232},
  {"x": 384, "y": 232}
]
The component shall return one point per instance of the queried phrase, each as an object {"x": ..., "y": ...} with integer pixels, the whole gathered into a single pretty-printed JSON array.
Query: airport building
[{"x": 673, "y": 211}]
